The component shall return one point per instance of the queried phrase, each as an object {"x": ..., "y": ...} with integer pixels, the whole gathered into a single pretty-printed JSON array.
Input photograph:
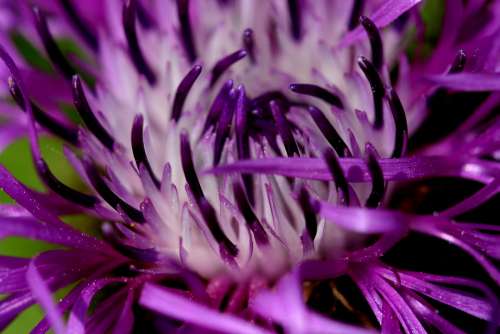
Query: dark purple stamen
[
  {"x": 338, "y": 175},
  {"x": 319, "y": 92},
  {"x": 60, "y": 188},
  {"x": 295, "y": 19},
  {"x": 68, "y": 133},
  {"x": 88, "y": 117},
  {"x": 250, "y": 218},
  {"x": 223, "y": 127},
  {"x": 377, "y": 87},
  {"x": 459, "y": 62},
  {"x": 375, "y": 42},
  {"x": 182, "y": 92},
  {"x": 284, "y": 130},
  {"x": 53, "y": 51},
  {"x": 222, "y": 65},
  {"x": 217, "y": 106},
  {"x": 144, "y": 17},
  {"x": 309, "y": 212},
  {"x": 128, "y": 19},
  {"x": 357, "y": 8},
  {"x": 261, "y": 103},
  {"x": 138, "y": 148},
  {"x": 329, "y": 132},
  {"x": 243, "y": 139},
  {"x": 249, "y": 44},
  {"x": 206, "y": 209},
  {"x": 80, "y": 25},
  {"x": 109, "y": 196},
  {"x": 186, "y": 31},
  {"x": 401, "y": 125},
  {"x": 378, "y": 184}
]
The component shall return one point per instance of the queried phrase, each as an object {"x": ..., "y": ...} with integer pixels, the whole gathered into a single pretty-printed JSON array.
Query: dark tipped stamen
[
  {"x": 295, "y": 19},
  {"x": 400, "y": 123},
  {"x": 329, "y": 132},
  {"x": 222, "y": 65},
  {"x": 357, "y": 8},
  {"x": 138, "y": 149},
  {"x": 249, "y": 44},
  {"x": 61, "y": 189},
  {"x": 250, "y": 218},
  {"x": 188, "y": 167},
  {"x": 88, "y": 117},
  {"x": 223, "y": 128},
  {"x": 51, "y": 47},
  {"x": 338, "y": 175},
  {"x": 217, "y": 106},
  {"x": 210, "y": 218},
  {"x": 319, "y": 92},
  {"x": 109, "y": 196},
  {"x": 377, "y": 87},
  {"x": 66, "y": 132},
  {"x": 378, "y": 184},
  {"x": 79, "y": 24},
  {"x": 459, "y": 62},
  {"x": 243, "y": 140},
  {"x": 309, "y": 212},
  {"x": 375, "y": 42},
  {"x": 206, "y": 209},
  {"x": 284, "y": 129},
  {"x": 183, "y": 91},
  {"x": 186, "y": 31},
  {"x": 129, "y": 13}
]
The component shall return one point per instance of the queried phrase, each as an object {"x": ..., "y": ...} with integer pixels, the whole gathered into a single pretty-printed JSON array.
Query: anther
[
  {"x": 319, "y": 92},
  {"x": 138, "y": 149},
  {"x": 338, "y": 175},
  {"x": 329, "y": 132},
  {"x": 182, "y": 92}
]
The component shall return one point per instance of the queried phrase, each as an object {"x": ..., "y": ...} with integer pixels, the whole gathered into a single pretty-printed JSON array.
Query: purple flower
[{"x": 242, "y": 155}]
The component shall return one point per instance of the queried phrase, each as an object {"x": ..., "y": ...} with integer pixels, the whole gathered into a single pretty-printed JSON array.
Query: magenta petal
[
  {"x": 43, "y": 295},
  {"x": 468, "y": 82},
  {"x": 175, "y": 306},
  {"x": 384, "y": 15}
]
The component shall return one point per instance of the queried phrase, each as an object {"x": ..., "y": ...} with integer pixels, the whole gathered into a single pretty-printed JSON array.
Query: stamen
[
  {"x": 375, "y": 42},
  {"x": 88, "y": 117},
  {"x": 53, "y": 51},
  {"x": 182, "y": 92},
  {"x": 63, "y": 190},
  {"x": 249, "y": 44},
  {"x": 224, "y": 127},
  {"x": 459, "y": 62},
  {"x": 401, "y": 125},
  {"x": 186, "y": 31},
  {"x": 319, "y": 92},
  {"x": 357, "y": 8},
  {"x": 261, "y": 102},
  {"x": 284, "y": 129},
  {"x": 251, "y": 219},
  {"x": 338, "y": 175},
  {"x": 378, "y": 184},
  {"x": 222, "y": 65},
  {"x": 217, "y": 106},
  {"x": 80, "y": 25},
  {"x": 378, "y": 90},
  {"x": 206, "y": 209},
  {"x": 243, "y": 140},
  {"x": 309, "y": 212},
  {"x": 68, "y": 133},
  {"x": 138, "y": 148},
  {"x": 144, "y": 18},
  {"x": 128, "y": 19},
  {"x": 188, "y": 167},
  {"x": 295, "y": 19},
  {"x": 109, "y": 196},
  {"x": 329, "y": 132}
]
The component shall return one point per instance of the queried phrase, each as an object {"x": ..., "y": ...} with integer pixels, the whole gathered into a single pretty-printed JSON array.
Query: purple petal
[
  {"x": 43, "y": 295},
  {"x": 173, "y": 305},
  {"x": 468, "y": 82},
  {"x": 382, "y": 16}
]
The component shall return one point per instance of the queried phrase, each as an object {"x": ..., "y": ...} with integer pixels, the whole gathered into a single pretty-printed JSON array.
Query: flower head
[{"x": 235, "y": 152}]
